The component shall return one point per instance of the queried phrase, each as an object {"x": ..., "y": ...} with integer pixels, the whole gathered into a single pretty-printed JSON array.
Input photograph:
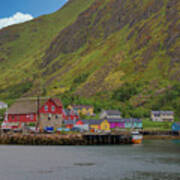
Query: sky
[{"x": 18, "y": 11}]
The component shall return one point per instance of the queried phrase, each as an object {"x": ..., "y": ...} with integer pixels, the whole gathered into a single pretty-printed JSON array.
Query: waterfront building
[
  {"x": 69, "y": 114},
  {"x": 69, "y": 123},
  {"x": 135, "y": 123},
  {"x": 162, "y": 116},
  {"x": 96, "y": 125},
  {"x": 176, "y": 127},
  {"x": 116, "y": 123},
  {"x": 3, "y": 105},
  {"x": 108, "y": 124},
  {"x": 42, "y": 112},
  {"x": 123, "y": 123}
]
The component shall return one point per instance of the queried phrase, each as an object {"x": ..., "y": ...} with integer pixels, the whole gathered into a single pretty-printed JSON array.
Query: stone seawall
[
  {"x": 55, "y": 139},
  {"x": 41, "y": 139}
]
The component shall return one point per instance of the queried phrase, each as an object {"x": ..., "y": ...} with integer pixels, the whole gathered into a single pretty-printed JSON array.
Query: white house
[
  {"x": 110, "y": 114},
  {"x": 162, "y": 116},
  {"x": 3, "y": 105}
]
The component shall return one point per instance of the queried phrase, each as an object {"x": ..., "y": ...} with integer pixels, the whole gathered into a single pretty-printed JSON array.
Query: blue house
[
  {"x": 176, "y": 127},
  {"x": 133, "y": 123}
]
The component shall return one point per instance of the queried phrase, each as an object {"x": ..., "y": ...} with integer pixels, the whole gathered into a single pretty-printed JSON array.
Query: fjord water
[{"x": 152, "y": 160}]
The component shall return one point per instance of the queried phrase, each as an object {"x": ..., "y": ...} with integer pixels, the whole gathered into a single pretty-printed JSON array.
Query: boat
[{"x": 136, "y": 137}]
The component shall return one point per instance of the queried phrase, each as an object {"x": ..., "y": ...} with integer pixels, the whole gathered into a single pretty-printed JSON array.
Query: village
[{"x": 48, "y": 115}]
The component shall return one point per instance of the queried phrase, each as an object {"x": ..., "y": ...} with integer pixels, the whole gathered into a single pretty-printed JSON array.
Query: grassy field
[{"x": 156, "y": 126}]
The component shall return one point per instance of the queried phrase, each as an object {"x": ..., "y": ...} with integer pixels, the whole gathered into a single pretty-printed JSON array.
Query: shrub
[{"x": 125, "y": 92}]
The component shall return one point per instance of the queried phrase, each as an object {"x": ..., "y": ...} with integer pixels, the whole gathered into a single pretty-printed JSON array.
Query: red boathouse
[{"x": 27, "y": 111}]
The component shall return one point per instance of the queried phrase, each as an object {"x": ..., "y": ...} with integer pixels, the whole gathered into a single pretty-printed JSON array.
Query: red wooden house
[
  {"x": 47, "y": 111},
  {"x": 80, "y": 122},
  {"x": 70, "y": 115}
]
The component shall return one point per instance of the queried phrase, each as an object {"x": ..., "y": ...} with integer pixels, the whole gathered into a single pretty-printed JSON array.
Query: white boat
[{"x": 136, "y": 137}]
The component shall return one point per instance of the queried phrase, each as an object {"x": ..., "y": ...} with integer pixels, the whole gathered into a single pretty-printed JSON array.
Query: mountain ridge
[{"x": 97, "y": 49}]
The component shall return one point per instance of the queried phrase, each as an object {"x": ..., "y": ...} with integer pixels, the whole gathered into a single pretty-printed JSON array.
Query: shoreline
[
  {"x": 161, "y": 137},
  {"x": 57, "y": 139},
  {"x": 75, "y": 139}
]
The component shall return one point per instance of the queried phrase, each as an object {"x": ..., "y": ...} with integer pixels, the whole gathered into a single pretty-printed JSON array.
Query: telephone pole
[{"x": 38, "y": 113}]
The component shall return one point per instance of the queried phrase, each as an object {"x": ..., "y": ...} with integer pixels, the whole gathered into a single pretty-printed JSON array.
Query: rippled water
[{"x": 153, "y": 160}]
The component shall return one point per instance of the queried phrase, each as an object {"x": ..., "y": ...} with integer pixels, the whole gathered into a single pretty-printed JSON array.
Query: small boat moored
[{"x": 136, "y": 137}]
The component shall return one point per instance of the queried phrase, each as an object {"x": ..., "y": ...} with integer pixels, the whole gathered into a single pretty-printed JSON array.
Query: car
[
  {"x": 63, "y": 129},
  {"x": 76, "y": 129},
  {"x": 49, "y": 129}
]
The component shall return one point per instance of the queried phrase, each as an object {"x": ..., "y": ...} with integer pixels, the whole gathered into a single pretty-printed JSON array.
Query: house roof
[
  {"x": 92, "y": 122},
  {"x": 112, "y": 112},
  {"x": 163, "y": 112},
  {"x": 2, "y": 103},
  {"x": 123, "y": 120},
  {"x": 27, "y": 106},
  {"x": 177, "y": 123},
  {"x": 57, "y": 101},
  {"x": 69, "y": 112}
]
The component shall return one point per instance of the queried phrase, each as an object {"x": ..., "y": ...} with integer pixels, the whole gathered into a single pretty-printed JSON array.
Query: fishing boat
[{"x": 136, "y": 137}]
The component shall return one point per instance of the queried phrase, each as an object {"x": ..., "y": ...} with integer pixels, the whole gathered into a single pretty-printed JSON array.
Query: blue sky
[
  {"x": 33, "y": 7},
  {"x": 19, "y": 11}
]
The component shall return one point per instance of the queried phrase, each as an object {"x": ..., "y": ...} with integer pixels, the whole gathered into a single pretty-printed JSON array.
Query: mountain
[{"x": 111, "y": 53}]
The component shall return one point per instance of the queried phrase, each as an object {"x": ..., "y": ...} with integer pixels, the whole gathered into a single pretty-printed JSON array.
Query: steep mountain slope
[
  {"x": 95, "y": 49},
  {"x": 22, "y": 46}
]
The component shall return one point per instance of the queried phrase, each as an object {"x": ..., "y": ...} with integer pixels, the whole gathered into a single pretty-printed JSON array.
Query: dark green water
[{"x": 153, "y": 160}]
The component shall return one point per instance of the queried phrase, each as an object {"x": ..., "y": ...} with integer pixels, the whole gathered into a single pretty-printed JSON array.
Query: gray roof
[
  {"x": 69, "y": 122},
  {"x": 2, "y": 103},
  {"x": 92, "y": 121},
  {"x": 163, "y": 112},
  {"x": 27, "y": 106},
  {"x": 125, "y": 120},
  {"x": 112, "y": 112}
]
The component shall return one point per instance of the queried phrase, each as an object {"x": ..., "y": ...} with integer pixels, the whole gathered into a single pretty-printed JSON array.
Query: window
[
  {"x": 46, "y": 108},
  {"x": 157, "y": 115},
  {"x": 52, "y": 108},
  {"x": 57, "y": 117},
  {"x": 49, "y": 117},
  {"x": 31, "y": 117}
]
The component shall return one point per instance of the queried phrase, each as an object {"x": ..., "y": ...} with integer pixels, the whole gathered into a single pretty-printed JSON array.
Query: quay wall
[{"x": 55, "y": 139}]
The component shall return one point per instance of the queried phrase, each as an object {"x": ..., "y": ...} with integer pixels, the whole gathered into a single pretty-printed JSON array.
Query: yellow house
[
  {"x": 82, "y": 109},
  {"x": 102, "y": 125},
  {"x": 105, "y": 126}
]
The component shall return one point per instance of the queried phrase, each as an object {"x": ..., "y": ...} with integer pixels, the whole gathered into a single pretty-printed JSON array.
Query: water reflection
[{"x": 152, "y": 160}]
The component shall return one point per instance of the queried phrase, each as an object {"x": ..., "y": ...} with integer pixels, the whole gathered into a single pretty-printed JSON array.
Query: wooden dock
[{"x": 107, "y": 139}]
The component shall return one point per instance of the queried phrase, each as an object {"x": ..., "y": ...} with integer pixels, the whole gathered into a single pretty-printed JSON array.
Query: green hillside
[{"x": 121, "y": 54}]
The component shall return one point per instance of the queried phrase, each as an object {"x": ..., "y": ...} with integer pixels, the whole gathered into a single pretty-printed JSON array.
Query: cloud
[{"x": 15, "y": 19}]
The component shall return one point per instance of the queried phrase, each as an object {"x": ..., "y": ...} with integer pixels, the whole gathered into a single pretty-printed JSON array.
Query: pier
[{"x": 107, "y": 139}]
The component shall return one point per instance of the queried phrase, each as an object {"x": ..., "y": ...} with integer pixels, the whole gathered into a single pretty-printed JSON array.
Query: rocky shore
[{"x": 41, "y": 139}]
